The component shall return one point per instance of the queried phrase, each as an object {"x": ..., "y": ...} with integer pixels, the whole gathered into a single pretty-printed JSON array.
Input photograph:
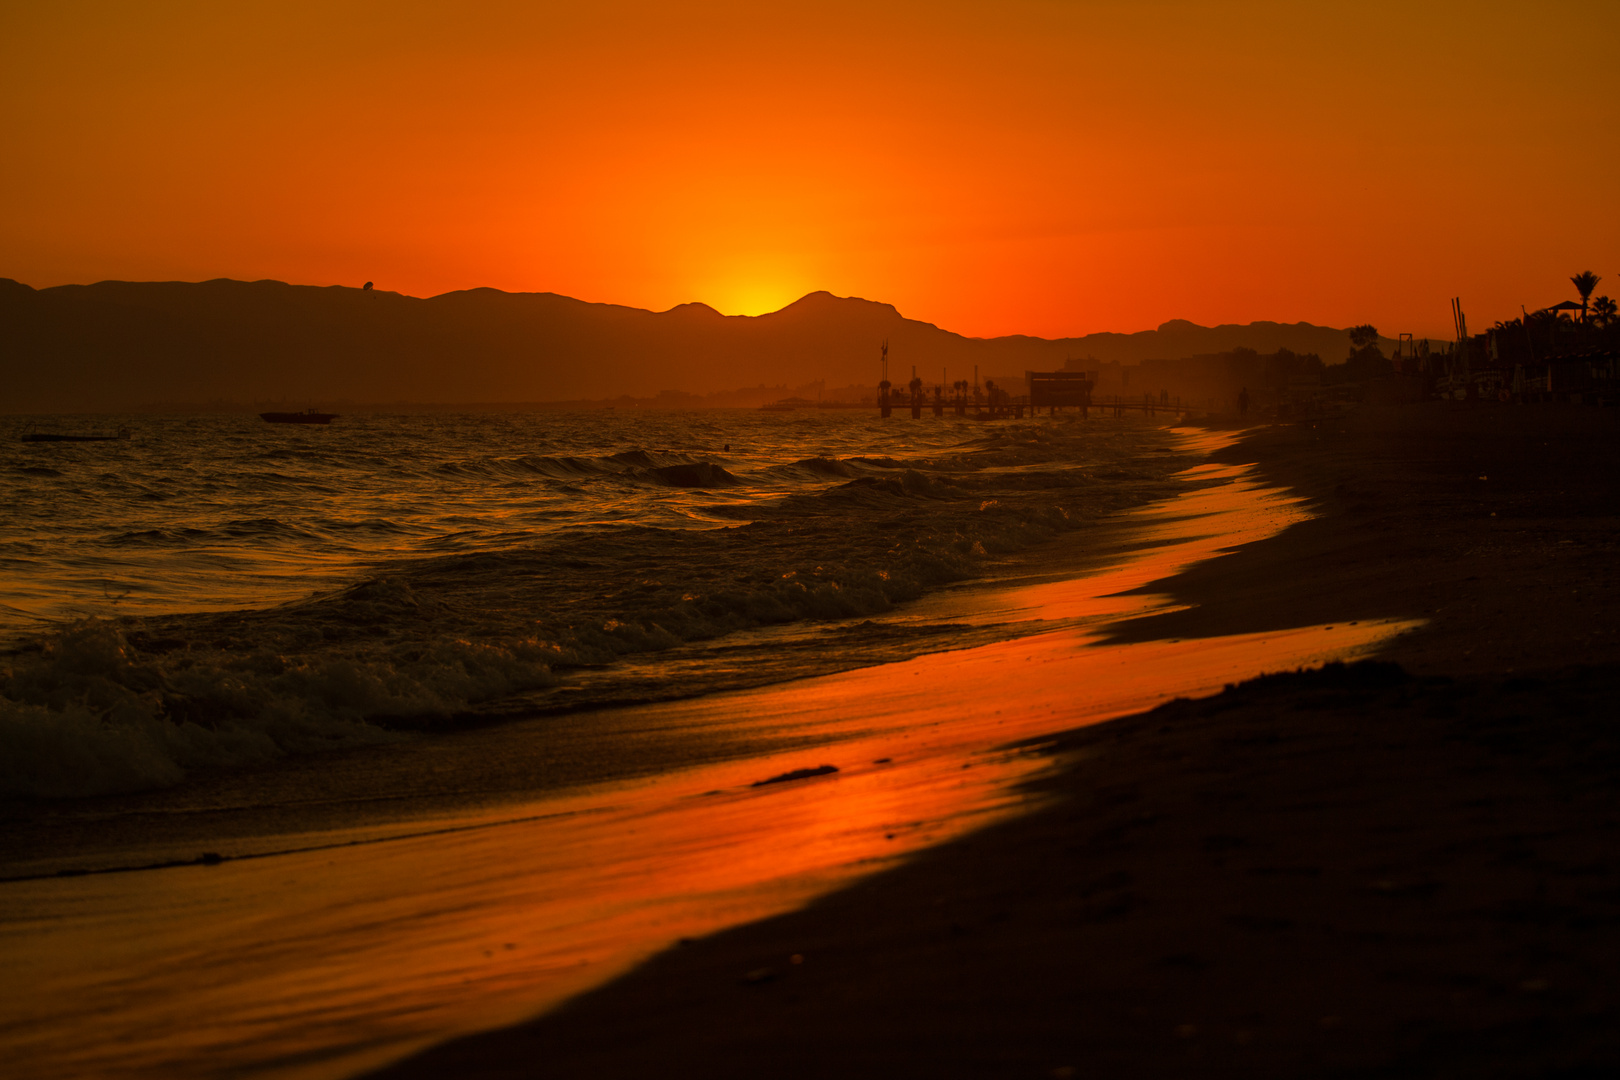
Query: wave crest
[{"x": 85, "y": 713}]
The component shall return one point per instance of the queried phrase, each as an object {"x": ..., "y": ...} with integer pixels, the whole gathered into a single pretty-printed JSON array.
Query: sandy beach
[{"x": 1398, "y": 867}]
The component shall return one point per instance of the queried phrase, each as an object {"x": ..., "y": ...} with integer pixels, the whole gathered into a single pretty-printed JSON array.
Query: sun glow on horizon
[
  {"x": 1008, "y": 169},
  {"x": 753, "y": 299},
  {"x": 759, "y": 290}
]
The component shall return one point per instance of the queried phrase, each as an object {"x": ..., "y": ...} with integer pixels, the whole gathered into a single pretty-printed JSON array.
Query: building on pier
[{"x": 1054, "y": 390}]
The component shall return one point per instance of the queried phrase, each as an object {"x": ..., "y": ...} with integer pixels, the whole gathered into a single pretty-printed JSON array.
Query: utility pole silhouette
[{"x": 883, "y": 387}]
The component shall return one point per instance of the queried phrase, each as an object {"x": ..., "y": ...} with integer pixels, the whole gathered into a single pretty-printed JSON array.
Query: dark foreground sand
[{"x": 1405, "y": 867}]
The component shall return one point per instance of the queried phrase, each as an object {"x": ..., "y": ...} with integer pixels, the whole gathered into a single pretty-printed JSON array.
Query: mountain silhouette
[{"x": 124, "y": 345}]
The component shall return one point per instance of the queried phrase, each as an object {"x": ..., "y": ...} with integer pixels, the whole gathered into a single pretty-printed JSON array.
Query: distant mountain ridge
[{"x": 122, "y": 345}]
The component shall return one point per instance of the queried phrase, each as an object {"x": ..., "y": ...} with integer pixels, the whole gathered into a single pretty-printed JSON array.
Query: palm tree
[
  {"x": 1584, "y": 283},
  {"x": 1603, "y": 311}
]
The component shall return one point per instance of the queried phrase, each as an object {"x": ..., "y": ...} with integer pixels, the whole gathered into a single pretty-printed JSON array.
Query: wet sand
[{"x": 1402, "y": 867}]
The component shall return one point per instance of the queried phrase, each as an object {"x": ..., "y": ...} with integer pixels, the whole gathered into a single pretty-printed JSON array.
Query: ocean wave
[
  {"x": 152, "y": 538},
  {"x": 262, "y": 528},
  {"x": 641, "y": 466},
  {"x": 702, "y": 474},
  {"x": 815, "y": 468},
  {"x": 562, "y": 468},
  {"x": 85, "y": 713},
  {"x": 376, "y": 526}
]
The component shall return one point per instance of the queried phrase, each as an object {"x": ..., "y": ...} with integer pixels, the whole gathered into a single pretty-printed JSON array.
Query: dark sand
[{"x": 1378, "y": 870}]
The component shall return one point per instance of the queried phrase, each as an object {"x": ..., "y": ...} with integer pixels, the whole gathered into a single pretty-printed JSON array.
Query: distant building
[{"x": 1058, "y": 389}]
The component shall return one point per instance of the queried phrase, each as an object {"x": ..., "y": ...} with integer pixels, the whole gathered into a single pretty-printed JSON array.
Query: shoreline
[
  {"x": 441, "y": 931},
  {"x": 570, "y": 748},
  {"x": 558, "y": 619},
  {"x": 1361, "y": 871}
]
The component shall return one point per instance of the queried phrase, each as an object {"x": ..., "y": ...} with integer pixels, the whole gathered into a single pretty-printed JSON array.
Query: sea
[{"x": 214, "y": 591}]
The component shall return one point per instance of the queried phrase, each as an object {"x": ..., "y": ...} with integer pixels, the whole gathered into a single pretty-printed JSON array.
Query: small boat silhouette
[{"x": 308, "y": 416}]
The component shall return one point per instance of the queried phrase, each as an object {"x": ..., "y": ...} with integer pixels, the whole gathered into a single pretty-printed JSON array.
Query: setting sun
[{"x": 745, "y": 294}]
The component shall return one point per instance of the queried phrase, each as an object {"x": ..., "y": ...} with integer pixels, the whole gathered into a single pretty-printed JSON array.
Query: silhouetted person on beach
[{"x": 1243, "y": 402}]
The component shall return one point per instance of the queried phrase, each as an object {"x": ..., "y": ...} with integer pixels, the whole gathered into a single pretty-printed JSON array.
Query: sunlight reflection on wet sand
[{"x": 323, "y": 963}]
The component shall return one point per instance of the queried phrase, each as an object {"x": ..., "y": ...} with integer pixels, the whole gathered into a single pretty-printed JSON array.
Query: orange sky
[{"x": 1050, "y": 167}]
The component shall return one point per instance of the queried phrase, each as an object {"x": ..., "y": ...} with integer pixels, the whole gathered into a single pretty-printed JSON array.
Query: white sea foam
[{"x": 84, "y": 714}]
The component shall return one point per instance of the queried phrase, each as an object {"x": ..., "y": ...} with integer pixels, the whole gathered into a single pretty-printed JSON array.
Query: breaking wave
[{"x": 86, "y": 713}]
